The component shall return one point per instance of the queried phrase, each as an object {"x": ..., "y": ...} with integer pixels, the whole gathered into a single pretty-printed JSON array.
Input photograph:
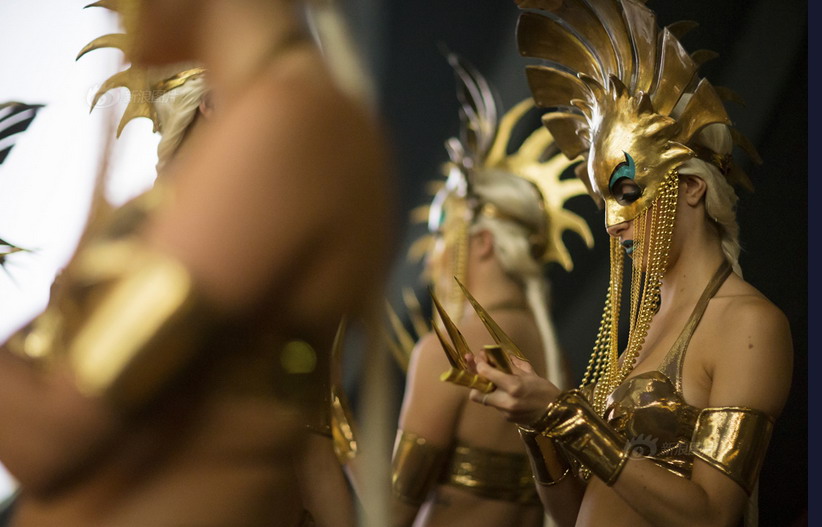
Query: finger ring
[{"x": 484, "y": 397}]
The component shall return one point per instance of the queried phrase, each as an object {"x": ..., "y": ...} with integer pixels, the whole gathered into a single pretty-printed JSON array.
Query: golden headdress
[
  {"x": 480, "y": 151},
  {"x": 478, "y": 154},
  {"x": 625, "y": 95},
  {"x": 145, "y": 85},
  {"x": 616, "y": 82}
]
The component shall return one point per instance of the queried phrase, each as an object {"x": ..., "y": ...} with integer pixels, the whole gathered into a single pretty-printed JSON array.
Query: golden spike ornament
[{"x": 144, "y": 85}]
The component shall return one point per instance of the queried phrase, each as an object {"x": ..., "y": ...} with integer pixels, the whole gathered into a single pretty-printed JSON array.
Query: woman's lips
[{"x": 628, "y": 245}]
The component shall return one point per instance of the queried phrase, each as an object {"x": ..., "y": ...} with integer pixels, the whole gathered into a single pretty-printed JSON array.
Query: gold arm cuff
[
  {"x": 548, "y": 464},
  {"x": 416, "y": 467},
  {"x": 137, "y": 321},
  {"x": 733, "y": 440},
  {"x": 576, "y": 426},
  {"x": 342, "y": 431}
]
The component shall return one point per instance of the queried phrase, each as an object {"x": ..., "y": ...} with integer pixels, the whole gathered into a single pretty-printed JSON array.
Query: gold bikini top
[{"x": 650, "y": 411}]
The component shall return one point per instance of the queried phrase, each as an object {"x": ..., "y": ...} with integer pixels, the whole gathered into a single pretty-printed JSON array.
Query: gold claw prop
[
  {"x": 458, "y": 373},
  {"x": 499, "y": 336}
]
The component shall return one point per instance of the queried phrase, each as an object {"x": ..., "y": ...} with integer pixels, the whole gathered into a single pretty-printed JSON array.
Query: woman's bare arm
[
  {"x": 281, "y": 206},
  {"x": 753, "y": 370}
]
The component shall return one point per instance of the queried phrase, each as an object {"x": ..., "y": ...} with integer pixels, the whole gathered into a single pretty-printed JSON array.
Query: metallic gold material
[
  {"x": 139, "y": 323},
  {"x": 498, "y": 358},
  {"x": 145, "y": 85},
  {"x": 733, "y": 440},
  {"x": 342, "y": 431},
  {"x": 458, "y": 373},
  {"x": 548, "y": 464},
  {"x": 650, "y": 410},
  {"x": 126, "y": 319},
  {"x": 499, "y": 336},
  {"x": 650, "y": 255},
  {"x": 490, "y": 474},
  {"x": 416, "y": 467},
  {"x": 341, "y": 419},
  {"x": 623, "y": 77},
  {"x": 480, "y": 151},
  {"x": 575, "y": 425}
]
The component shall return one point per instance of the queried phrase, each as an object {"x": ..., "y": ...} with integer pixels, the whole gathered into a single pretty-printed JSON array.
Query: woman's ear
[
  {"x": 694, "y": 188},
  {"x": 206, "y": 105},
  {"x": 483, "y": 242}
]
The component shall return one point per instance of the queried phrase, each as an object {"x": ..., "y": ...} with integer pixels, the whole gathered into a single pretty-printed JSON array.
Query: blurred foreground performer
[
  {"x": 496, "y": 221},
  {"x": 169, "y": 380},
  {"x": 674, "y": 430}
]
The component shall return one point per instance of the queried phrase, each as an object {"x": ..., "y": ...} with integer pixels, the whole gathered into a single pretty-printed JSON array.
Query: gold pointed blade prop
[
  {"x": 458, "y": 373},
  {"x": 498, "y": 358},
  {"x": 450, "y": 353},
  {"x": 460, "y": 345},
  {"x": 499, "y": 336}
]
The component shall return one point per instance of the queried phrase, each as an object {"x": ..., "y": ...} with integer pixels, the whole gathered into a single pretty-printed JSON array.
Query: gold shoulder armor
[
  {"x": 733, "y": 440},
  {"x": 416, "y": 467},
  {"x": 125, "y": 319}
]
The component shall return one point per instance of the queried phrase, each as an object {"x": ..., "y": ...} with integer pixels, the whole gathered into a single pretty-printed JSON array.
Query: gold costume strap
[
  {"x": 733, "y": 440},
  {"x": 575, "y": 425},
  {"x": 672, "y": 363},
  {"x": 491, "y": 474},
  {"x": 416, "y": 467}
]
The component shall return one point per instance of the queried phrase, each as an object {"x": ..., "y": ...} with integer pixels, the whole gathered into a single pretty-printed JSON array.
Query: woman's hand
[{"x": 522, "y": 396}]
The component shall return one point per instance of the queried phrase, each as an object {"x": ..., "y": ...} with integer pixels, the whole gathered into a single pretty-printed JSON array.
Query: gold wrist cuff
[
  {"x": 548, "y": 464},
  {"x": 733, "y": 440},
  {"x": 416, "y": 467},
  {"x": 540, "y": 425},
  {"x": 576, "y": 426}
]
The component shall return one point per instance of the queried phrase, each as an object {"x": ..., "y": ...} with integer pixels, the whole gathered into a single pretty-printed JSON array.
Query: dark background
[{"x": 763, "y": 57}]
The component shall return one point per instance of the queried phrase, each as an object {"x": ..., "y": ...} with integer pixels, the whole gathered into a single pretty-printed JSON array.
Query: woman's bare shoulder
[
  {"x": 741, "y": 304},
  {"x": 752, "y": 350}
]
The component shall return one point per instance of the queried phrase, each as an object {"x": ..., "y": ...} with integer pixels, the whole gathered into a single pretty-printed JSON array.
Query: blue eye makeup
[
  {"x": 623, "y": 170},
  {"x": 622, "y": 185}
]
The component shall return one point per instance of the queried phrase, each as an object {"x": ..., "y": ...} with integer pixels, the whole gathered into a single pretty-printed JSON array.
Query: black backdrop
[{"x": 763, "y": 56}]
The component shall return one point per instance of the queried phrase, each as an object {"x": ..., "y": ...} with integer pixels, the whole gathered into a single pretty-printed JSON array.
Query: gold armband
[
  {"x": 585, "y": 435},
  {"x": 125, "y": 321},
  {"x": 548, "y": 464},
  {"x": 137, "y": 323},
  {"x": 733, "y": 440},
  {"x": 416, "y": 467}
]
